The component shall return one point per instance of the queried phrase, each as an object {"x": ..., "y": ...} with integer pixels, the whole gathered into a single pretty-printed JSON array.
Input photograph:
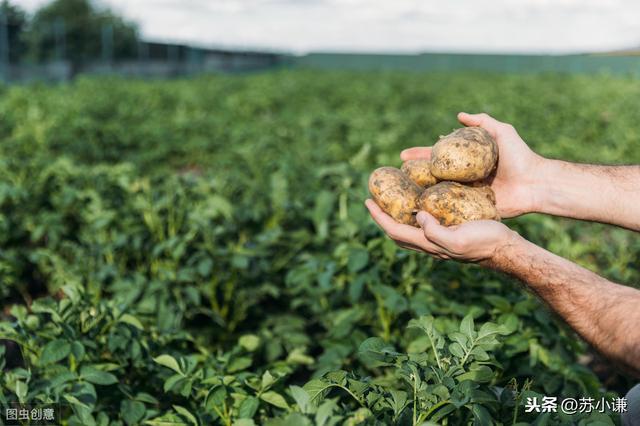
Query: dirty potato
[
  {"x": 466, "y": 155},
  {"x": 395, "y": 193},
  {"x": 483, "y": 185},
  {"x": 419, "y": 171},
  {"x": 453, "y": 203}
]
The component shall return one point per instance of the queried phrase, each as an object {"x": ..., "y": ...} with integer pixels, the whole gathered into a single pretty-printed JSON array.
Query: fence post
[
  {"x": 107, "y": 43},
  {"x": 143, "y": 50},
  {"x": 172, "y": 53},
  {"x": 4, "y": 46},
  {"x": 60, "y": 40}
]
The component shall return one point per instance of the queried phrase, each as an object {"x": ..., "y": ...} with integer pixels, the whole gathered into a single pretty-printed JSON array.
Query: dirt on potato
[
  {"x": 466, "y": 155},
  {"x": 419, "y": 171},
  {"x": 395, "y": 193},
  {"x": 453, "y": 203}
]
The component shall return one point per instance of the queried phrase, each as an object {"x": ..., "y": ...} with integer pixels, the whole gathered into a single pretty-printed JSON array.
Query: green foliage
[{"x": 197, "y": 251}]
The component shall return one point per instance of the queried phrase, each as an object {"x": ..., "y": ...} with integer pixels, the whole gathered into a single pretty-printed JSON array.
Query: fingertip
[
  {"x": 416, "y": 153},
  {"x": 467, "y": 119},
  {"x": 421, "y": 218},
  {"x": 424, "y": 219}
]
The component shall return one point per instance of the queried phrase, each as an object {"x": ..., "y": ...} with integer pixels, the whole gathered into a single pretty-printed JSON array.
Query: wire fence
[
  {"x": 442, "y": 62},
  {"x": 163, "y": 60}
]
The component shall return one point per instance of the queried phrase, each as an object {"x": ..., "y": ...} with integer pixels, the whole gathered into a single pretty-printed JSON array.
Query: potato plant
[{"x": 196, "y": 252}]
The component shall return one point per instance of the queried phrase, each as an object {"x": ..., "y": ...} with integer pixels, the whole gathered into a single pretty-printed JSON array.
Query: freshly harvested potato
[
  {"x": 395, "y": 193},
  {"x": 453, "y": 203},
  {"x": 483, "y": 185},
  {"x": 419, "y": 171},
  {"x": 466, "y": 155}
]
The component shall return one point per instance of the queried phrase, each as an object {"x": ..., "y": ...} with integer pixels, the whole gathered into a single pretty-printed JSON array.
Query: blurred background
[
  {"x": 57, "y": 40},
  {"x": 183, "y": 238}
]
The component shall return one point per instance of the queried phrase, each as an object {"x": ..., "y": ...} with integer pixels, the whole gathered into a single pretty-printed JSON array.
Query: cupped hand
[
  {"x": 476, "y": 241},
  {"x": 514, "y": 179}
]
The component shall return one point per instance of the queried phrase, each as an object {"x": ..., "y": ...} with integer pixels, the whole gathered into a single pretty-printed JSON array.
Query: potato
[
  {"x": 453, "y": 203},
  {"x": 466, "y": 155},
  {"x": 483, "y": 185},
  {"x": 395, "y": 193},
  {"x": 419, "y": 171}
]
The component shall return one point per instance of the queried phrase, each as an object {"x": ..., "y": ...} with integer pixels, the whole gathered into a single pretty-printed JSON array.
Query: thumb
[
  {"x": 432, "y": 229},
  {"x": 482, "y": 119}
]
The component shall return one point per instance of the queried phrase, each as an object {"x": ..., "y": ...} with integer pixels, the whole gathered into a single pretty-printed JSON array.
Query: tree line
[{"x": 78, "y": 31}]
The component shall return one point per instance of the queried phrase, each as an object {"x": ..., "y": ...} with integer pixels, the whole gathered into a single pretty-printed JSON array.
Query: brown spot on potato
[
  {"x": 466, "y": 155},
  {"x": 419, "y": 171},
  {"x": 395, "y": 193},
  {"x": 453, "y": 203}
]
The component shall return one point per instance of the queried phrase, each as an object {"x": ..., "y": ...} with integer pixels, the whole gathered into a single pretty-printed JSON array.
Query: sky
[{"x": 404, "y": 26}]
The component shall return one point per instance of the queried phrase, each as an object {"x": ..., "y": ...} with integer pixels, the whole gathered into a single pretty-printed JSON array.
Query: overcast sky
[{"x": 544, "y": 26}]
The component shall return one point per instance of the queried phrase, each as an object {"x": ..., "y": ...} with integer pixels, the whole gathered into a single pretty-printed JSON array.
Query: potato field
[{"x": 197, "y": 252}]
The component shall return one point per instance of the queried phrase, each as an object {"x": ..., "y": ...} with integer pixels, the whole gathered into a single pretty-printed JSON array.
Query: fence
[{"x": 475, "y": 62}]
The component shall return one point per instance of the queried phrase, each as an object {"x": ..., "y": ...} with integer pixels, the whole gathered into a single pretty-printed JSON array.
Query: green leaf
[
  {"x": 297, "y": 356},
  {"x": 185, "y": 413},
  {"x": 316, "y": 389},
  {"x": 267, "y": 380},
  {"x": 132, "y": 411},
  {"x": 78, "y": 351},
  {"x": 167, "y": 419},
  {"x": 480, "y": 373},
  {"x": 338, "y": 377},
  {"x": 456, "y": 350},
  {"x": 481, "y": 415},
  {"x": 467, "y": 327},
  {"x": 276, "y": 399},
  {"x": 21, "y": 390},
  {"x": 358, "y": 259},
  {"x": 131, "y": 320},
  {"x": 239, "y": 364},
  {"x": 248, "y": 407},
  {"x": 250, "y": 342},
  {"x": 98, "y": 377},
  {"x": 216, "y": 396},
  {"x": 418, "y": 345},
  {"x": 169, "y": 362},
  {"x": 301, "y": 397},
  {"x": 55, "y": 351}
]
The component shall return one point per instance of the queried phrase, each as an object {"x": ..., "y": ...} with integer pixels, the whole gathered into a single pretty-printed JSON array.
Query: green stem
[
  {"x": 335, "y": 385},
  {"x": 415, "y": 399},
  {"x": 352, "y": 394},
  {"x": 466, "y": 354},
  {"x": 435, "y": 352}
]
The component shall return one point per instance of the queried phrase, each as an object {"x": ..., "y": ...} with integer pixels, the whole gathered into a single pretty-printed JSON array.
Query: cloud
[{"x": 551, "y": 26}]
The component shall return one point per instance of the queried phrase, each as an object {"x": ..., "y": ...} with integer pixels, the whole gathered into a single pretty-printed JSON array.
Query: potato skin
[
  {"x": 453, "y": 203},
  {"x": 395, "y": 193},
  {"x": 419, "y": 171},
  {"x": 483, "y": 185},
  {"x": 466, "y": 155}
]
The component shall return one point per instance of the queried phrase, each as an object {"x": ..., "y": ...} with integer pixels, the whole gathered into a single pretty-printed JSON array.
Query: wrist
[
  {"x": 540, "y": 184},
  {"x": 504, "y": 253}
]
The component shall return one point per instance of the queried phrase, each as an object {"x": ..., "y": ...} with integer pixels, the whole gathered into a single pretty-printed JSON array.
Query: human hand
[
  {"x": 479, "y": 241},
  {"x": 513, "y": 181}
]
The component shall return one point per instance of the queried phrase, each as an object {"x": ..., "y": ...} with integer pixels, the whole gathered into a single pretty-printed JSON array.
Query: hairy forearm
[
  {"x": 608, "y": 194},
  {"x": 603, "y": 313}
]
